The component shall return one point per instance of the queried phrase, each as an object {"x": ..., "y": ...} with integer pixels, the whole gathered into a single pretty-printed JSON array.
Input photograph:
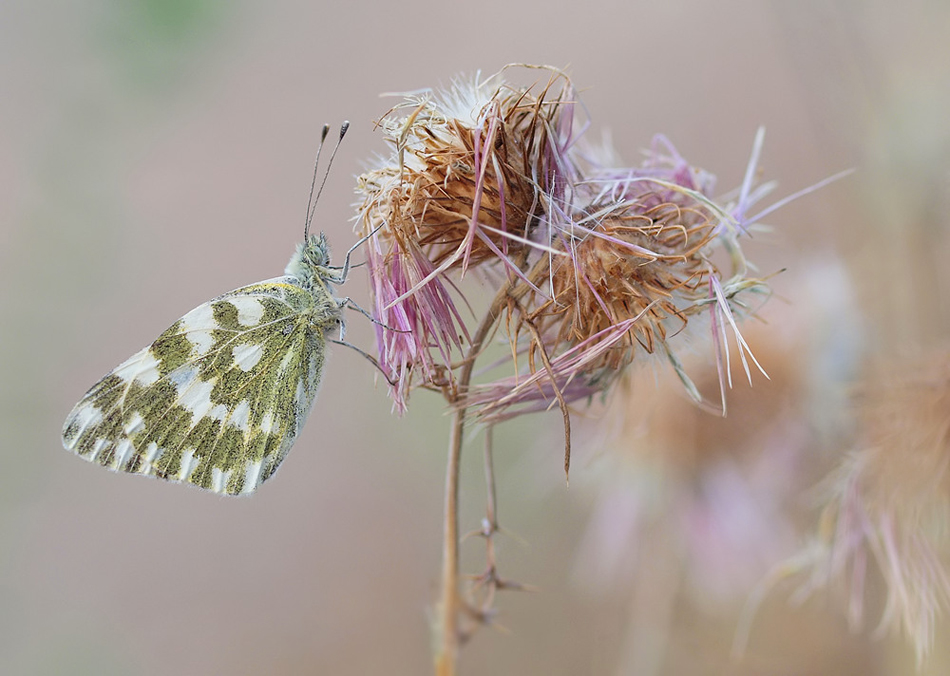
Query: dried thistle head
[
  {"x": 462, "y": 188},
  {"x": 591, "y": 265},
  {"x": 467, "y": 166},
  {"x": 629, "y": 266},
  {"x": 890, "y": 500},
  {"x": 632, "y": 261}
]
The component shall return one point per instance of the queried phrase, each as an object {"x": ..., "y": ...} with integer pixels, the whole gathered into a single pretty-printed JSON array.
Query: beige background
[{"x": 155, "y": 154}]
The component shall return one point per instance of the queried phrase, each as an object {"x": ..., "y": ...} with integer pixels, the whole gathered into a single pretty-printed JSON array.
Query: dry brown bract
[
  {"x": 466, "y": 188},
  {"x": 630, "y": 264}
]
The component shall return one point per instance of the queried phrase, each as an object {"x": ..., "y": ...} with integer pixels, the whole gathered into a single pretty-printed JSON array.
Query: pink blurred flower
[{"x": 692, "y": 511}]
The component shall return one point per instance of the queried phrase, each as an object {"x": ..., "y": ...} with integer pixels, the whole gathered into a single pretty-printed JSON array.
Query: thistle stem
[
  {"x": 450, "y": 605},
  {"x": 447, "y": 656}
]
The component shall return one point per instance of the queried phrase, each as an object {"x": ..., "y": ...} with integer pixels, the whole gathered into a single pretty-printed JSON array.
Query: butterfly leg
[
  {"x": 345, "y": 268},
  {"x": 370, "y": 358}
]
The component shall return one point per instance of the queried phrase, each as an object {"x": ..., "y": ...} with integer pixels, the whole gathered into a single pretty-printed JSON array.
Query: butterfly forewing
[{"x": 219, "y": 398}]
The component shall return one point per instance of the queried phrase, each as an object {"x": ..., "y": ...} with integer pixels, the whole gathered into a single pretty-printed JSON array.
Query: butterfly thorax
[{"x": 310, "y": 266}]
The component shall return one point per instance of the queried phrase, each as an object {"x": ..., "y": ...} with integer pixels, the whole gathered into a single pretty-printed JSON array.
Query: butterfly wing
[{"x": 218, "y": 399}]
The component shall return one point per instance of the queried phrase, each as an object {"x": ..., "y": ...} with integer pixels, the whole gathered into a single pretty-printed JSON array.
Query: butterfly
[{"x": 219, "y": 398}]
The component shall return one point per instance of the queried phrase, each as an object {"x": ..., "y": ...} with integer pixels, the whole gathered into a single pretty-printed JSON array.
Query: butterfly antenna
[
  {"x": 312, "y": 200},
  {"x": 313, "y": 181}
]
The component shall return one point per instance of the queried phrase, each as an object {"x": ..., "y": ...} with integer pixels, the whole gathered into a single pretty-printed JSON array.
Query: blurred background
[{"x": 155, "y": 153}]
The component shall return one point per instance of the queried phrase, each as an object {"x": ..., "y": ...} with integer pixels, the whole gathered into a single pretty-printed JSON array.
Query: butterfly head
[{"x": 311, "y": 261}]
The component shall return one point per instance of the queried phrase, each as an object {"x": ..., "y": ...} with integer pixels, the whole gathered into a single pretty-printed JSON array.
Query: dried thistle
[
  {"x": 591, "y": 266},
  {"x": 628, "y": 265},
  {"x": 598, "y": 263},
  {"x": 462, "y": 188}
]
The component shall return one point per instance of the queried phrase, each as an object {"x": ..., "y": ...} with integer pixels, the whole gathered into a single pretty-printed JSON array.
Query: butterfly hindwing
[{"x": 219, "y": 398}]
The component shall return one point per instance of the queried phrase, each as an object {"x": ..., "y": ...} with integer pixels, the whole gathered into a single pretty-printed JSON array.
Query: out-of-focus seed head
[
  {"x": 889, "y": 502},
  {"x": 715, "y": 499}
]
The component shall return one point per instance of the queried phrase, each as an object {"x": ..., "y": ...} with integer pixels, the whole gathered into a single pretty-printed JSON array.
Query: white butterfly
[{"x": 219, "y": 398}]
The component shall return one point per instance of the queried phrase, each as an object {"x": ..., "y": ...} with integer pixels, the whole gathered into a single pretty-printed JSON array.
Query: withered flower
[
  {"x": 629, "y": 265},
  {"x": 590, "y": 268},
  {"x": 462, "y": 188},
  {"x": 592, "y": 265}
]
